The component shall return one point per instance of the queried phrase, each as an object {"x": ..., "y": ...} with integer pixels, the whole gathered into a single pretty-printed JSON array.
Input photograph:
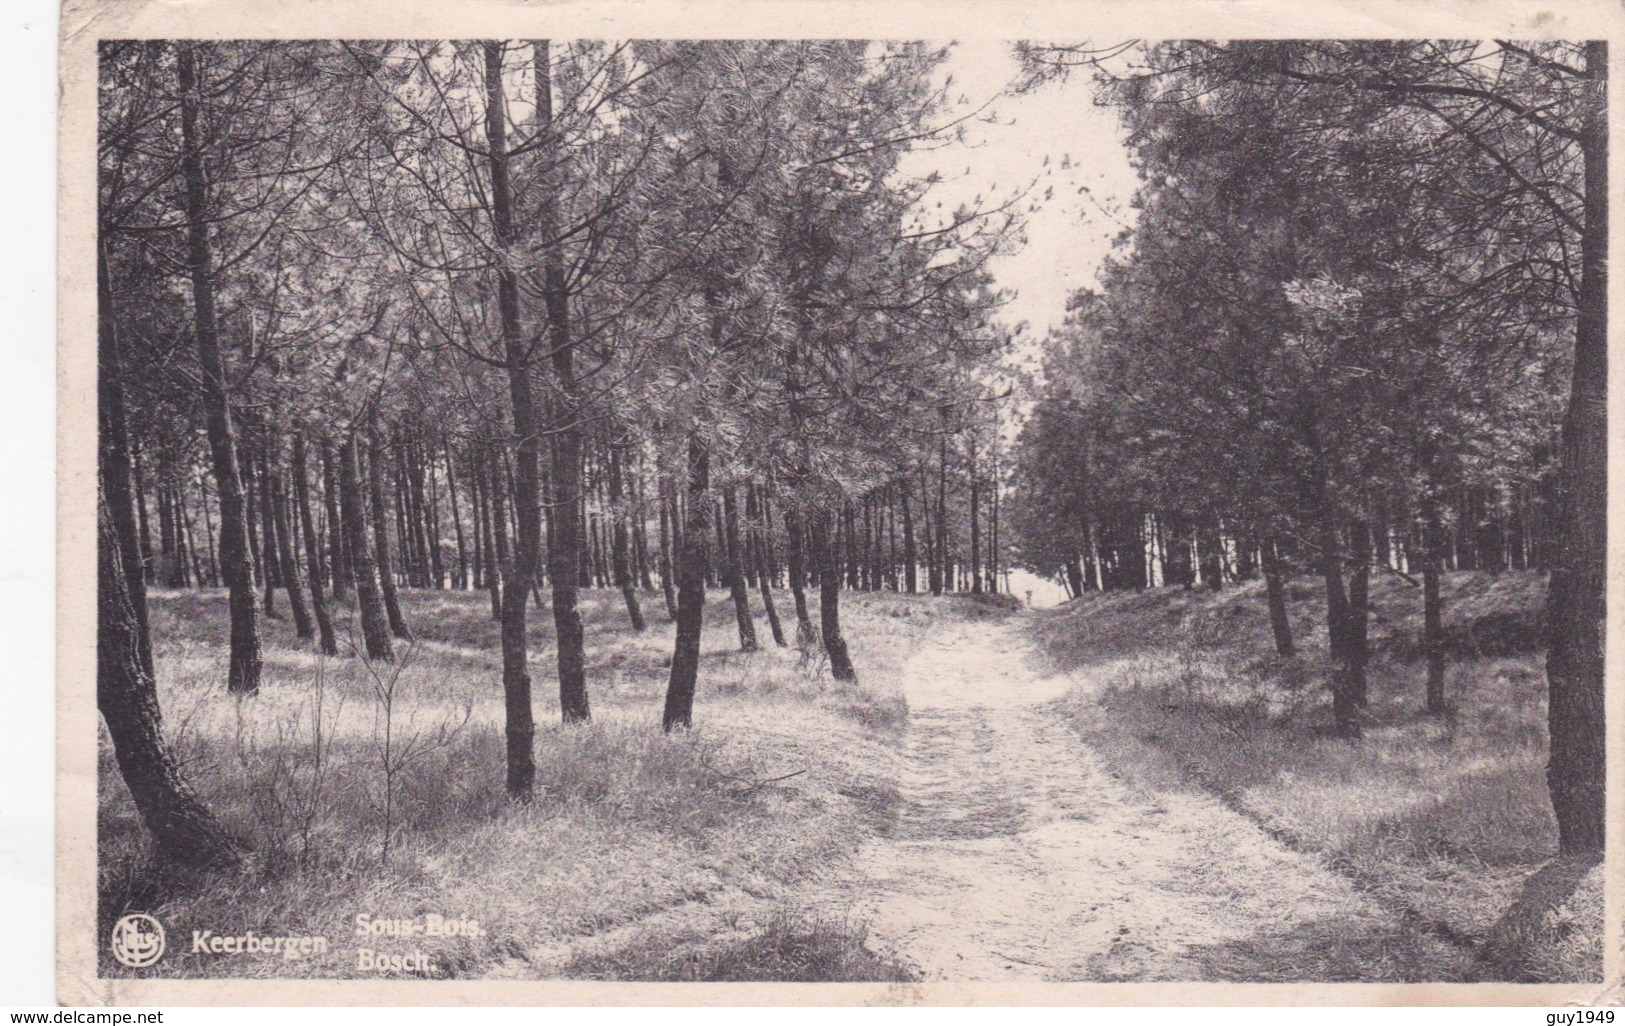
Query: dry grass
[
  {"x": 639, "y": 852},
  {"x": 790, "y": 947},
  {"x": 1442, "y": 818}
]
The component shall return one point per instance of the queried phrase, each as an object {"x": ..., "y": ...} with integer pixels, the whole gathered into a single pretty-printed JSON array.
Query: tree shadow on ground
[
  {"x": 1335, "y": 950},
  {"x": 1505, "y": 955}
]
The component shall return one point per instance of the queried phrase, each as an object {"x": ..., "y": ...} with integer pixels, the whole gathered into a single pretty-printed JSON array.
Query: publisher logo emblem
[{"x": 138, "y": 940}]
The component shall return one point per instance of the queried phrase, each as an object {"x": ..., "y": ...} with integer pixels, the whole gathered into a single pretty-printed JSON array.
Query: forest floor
[
  {"x": 1023, "y": 851},
  {"x": 377, "y": 790},
  {"x": 1130, "y": 787},
  {"x": 1440, "y": 825}
]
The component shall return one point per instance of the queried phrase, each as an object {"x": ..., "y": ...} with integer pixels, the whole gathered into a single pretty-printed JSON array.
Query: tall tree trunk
[
  {"x": 1139, "y": 563},
  {"x": 374, "y": 623},
  {"x": 1576, "y": 605},
  {"x": 143, "y": 528},
  {"x": 520, "y": 728},
  {"x": 189, "y": 544},
  {"x": 603, "y": 539},
  {"x": 414, "y": 498},
  {"x": 866, "y": 545},
  {"x": 736, "y": 573},
  {"x": 127, "y": 697},
  {"x": 995, "y": 553},
  {"x": 380, "y": 535},
  {"x": 584, "y": 554},
  {"x": 1433, "y": 605},
  {"x": 849, "y": 543},
  {"x": 755, "y": 512},
  {"x": 928, "y": 533},
  {"x": 1094, "y": 577},
  {"x": 939, "y": 566},
  {"x": 500, "y": 570},
  {"x": 618, "y": 557},
  {"x": 640, "y": 530},
  {"x": 456, "y": 519},
  {"x": 254, "y": 500},
  {"x": 343, "y": 575},
  {"x": 1211, "y": 555},
  {"x": 1245, "y": 568},
  {"x": 165, "y": 572},
  {"x": 798, "y": 576},
  {"x": 1516, "y": 533},
  {"x": 889, "y": 511},
  {"x": 794, "y": 507},
  {"x": 1275, "y": 586},
  {"x": 1177, "y": 567},
  {"x": 114, "y": 480},
  {"x": 667, "y": 514},
  {"x": 243, "y": 674},
  {"x": 911, "y": 570},
  {"x": 313, "y": 552},
  {"x": 214, "y": 564},
  {"x": 1359, "y": 607},
  {"x": 168, "y": 532},
  {"x": 602, "y": 543},
  {"x": 476, "y": 499},
  {"x": 975, "y": 524},
  {"x": 286, "y": 563},
  {"x": 1384, "y": 533},
  {"x": 685, "y": 660},
  {"x": 874, "y": 527},
  {"x": 405, "y": 548},
  {"x": 1345, "y": 706},
  {"x": 431, "y": 509},
  {"x": 829, "y": 600},
  {"x": 1491, "y": 530},
  {"x": 175, "y": 544},
  {"x": 563, "y": 538}
]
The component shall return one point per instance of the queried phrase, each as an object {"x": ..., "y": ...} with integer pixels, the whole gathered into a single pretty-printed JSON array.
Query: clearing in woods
[{"x": 1025, "y": 849}]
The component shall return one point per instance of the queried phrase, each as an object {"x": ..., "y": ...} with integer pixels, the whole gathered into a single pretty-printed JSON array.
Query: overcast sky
[{"x": 1072, "y": 231}]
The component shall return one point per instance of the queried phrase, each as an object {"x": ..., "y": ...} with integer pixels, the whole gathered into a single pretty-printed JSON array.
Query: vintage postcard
[{"x": 836, "y": 503}]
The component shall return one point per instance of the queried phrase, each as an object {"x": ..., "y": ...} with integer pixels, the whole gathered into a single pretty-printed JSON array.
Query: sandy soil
[{"x": 1018, "y": 853}]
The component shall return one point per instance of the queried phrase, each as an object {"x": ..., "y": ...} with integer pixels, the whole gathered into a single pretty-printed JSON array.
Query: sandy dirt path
[{"x": 1018, "y": 854}]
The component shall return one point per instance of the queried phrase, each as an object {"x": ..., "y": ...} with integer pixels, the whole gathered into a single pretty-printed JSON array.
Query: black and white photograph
[{"x": 959, "y": 513}]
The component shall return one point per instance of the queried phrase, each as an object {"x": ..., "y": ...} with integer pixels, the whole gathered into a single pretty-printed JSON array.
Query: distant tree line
[{"x": 448, "y": 514}]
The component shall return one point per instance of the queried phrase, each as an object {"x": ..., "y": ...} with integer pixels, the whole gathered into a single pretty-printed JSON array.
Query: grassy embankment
[
  {"x": 643, "y": 856},
  {"x": 1444, "y": 819}
]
